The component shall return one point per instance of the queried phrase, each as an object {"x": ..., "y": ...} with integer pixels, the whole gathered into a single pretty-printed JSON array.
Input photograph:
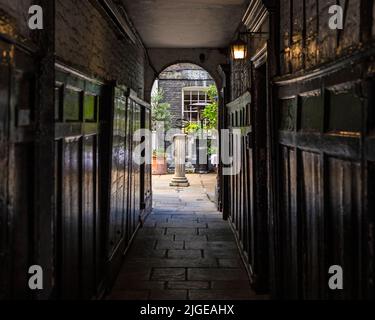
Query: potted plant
[{"x": 159, "y": 162}]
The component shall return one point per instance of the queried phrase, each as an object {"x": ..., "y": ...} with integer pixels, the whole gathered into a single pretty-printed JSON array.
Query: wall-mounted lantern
[{"x": 239, "y": 48}]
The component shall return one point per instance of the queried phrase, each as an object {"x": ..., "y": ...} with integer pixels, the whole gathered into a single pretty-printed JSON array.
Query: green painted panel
[{"x": 90, "y": 108}]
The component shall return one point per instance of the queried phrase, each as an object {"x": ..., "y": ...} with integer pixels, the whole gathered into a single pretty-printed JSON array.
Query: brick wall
[{"x": 86, "y": 40}]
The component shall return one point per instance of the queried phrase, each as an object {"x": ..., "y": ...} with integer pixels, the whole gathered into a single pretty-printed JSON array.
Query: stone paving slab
[
  {"x": 186, "y": 237},
  {"x": 166, "y": 244},
  {"x": 188, "y": 285},
  {"x": 183, "y": 231},
  {"x": 169, "y": 274},
  {"x": 187, "y": 254},
  {"x": 181, "y": 224},
  {"x": 184, "y": 250},
  {"x": 174, "y": 262}
]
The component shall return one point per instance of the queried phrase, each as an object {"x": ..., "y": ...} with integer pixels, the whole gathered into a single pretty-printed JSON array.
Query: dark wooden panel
[
  {"x": 17, "y": 150},
  {"x": 345, "y": 111},
  {"x": 288, "y": 118},
  {"x": 333, "y": 144},
  {"x": 289, "y": 224},
  {"x": 4, "y": 174},
  {"x": 369, "y": 258},
  {"x": 312, "y": 113},
  {"x": 89, "y": 215},
  {"x": 312, "y": 218},
  {"x": 20, "y": 186},
  {"x": 344, "y": 231},
  {"x": 71, "y": 217}
]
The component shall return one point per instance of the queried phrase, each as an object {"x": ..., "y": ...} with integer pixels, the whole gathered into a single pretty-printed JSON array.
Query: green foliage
[
  {"x": 192, "y": 128},
  {"x": 210, "y": 113},
  {"x": 160, "y": 110},
  {"x": 211, "y": 149}
]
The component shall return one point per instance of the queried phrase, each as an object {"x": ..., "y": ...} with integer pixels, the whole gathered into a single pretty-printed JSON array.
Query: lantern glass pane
[{"x": 239, "y": 51}]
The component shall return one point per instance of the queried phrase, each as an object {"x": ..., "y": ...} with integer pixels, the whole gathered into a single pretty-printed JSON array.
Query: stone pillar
[{"x": 179, "y": 179}]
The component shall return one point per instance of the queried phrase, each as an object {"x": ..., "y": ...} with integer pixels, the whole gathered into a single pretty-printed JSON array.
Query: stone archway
[{"x": 160, "y": 59}]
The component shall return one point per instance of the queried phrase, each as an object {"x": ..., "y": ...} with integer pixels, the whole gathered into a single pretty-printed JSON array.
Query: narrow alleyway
[{"x": 185, "y": 250}]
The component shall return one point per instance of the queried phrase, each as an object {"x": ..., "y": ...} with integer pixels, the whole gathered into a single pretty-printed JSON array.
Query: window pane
[
  {"x": 195, "y": 96},
  {"x": 187, "y": 96},
  {"x": 202, "y": 97}
]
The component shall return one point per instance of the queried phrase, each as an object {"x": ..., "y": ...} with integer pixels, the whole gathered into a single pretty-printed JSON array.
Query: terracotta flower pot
[{"x": 159, "y": 165}]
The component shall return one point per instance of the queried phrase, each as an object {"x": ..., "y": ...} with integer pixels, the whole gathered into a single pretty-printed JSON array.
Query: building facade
[{"x": 184, "y": 85}]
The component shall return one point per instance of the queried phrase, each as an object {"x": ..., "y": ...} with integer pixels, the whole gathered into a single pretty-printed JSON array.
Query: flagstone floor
[{"x": 185, "y": 251}]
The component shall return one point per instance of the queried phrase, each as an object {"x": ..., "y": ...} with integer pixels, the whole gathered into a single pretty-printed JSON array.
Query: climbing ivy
[{"x": 210, "y": 113}]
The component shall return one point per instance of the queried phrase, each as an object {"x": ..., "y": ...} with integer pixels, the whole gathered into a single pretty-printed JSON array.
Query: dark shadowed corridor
[
  {"x": 288, "y": 84},
  {"x": 184, "y": 251}
]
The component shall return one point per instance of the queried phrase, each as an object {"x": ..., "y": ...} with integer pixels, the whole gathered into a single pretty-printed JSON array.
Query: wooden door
[{"x": 79, "y": 227}]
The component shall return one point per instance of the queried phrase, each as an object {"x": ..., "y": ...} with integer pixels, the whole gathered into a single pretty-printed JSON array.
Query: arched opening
[{"x": 185, "y": 100}]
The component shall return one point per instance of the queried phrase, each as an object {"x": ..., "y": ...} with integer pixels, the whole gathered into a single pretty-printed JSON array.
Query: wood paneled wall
[
  {"x": 78, "y": 220},
  {"x": 17, "y": 161},
  {"x": 98, "y": 185},
  {"x": 325, "y": 164},
  {"x": 324, "y": 108}
]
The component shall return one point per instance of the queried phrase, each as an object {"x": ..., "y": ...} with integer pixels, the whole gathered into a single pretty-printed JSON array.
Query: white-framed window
[{"x": 194, "y": 100}]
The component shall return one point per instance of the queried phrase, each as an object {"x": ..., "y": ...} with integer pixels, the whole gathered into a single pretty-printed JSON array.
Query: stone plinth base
[{"x": 180, "y": 182}]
